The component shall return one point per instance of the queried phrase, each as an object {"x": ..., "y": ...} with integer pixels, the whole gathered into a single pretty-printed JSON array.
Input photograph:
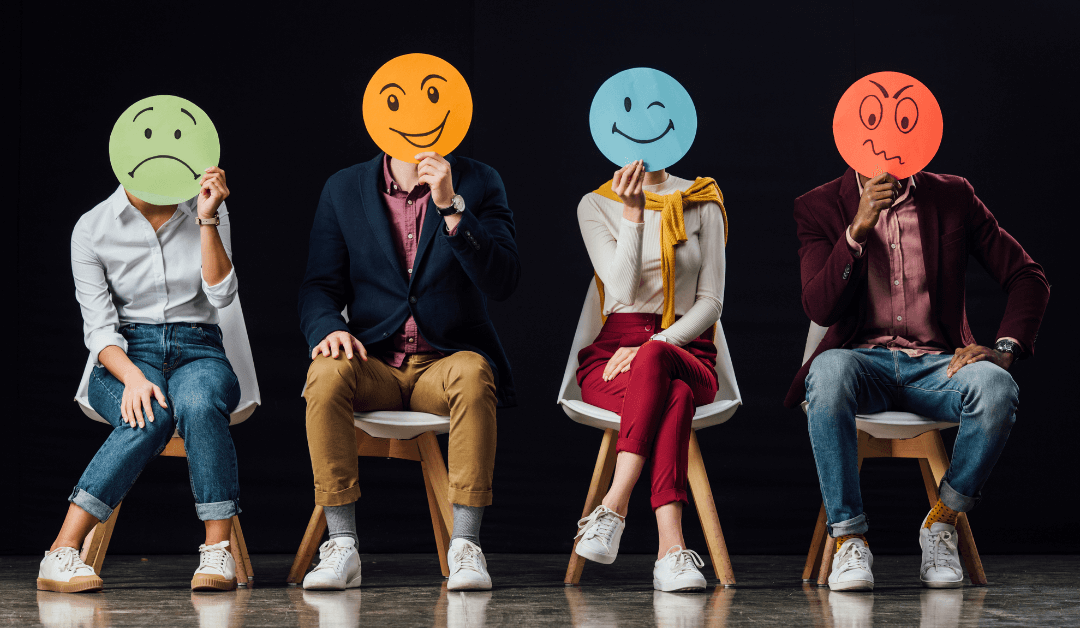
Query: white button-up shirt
[{"x": 125, "y": 272}]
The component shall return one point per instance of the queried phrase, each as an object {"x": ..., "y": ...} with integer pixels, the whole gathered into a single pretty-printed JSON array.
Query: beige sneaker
[
  {"x": 217, "y": 569},
  {"x": 63, "y": 571}
]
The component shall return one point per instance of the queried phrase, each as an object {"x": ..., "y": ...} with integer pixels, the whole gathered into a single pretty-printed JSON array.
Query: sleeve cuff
[
  {"x": 856, "y": 248},
  {"x": 221, "y": 294},
  {"x": 101, "y": 339}
]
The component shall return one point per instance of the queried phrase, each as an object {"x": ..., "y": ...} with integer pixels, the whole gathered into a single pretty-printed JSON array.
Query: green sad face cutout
[{"x": 160, "y": 147}]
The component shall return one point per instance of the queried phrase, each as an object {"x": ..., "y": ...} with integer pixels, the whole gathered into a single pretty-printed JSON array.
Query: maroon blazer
[{"x": 953, "y": 224}]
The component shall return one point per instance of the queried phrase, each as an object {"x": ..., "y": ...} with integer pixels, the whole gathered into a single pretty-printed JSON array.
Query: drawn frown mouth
[
  {"x": 670, "y": 127},
  {"x": 876, "y": 152},
  {"x": 194, "y": 174},
  {"x": 437, "y": 131}
]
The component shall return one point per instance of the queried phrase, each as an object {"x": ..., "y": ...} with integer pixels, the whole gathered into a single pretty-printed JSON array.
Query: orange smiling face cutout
[
  {"x": 416, "y": 103},
  {"x": 887, "y": 122}
]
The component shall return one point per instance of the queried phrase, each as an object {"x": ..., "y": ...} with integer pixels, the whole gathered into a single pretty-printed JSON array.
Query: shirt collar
[
  {"x": 119, "y": 202},
  {"x": 909, "y": 187},
  {"x": 389, "y": 187}
]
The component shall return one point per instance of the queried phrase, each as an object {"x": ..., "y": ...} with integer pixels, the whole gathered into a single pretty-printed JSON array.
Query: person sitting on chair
[
  {"x": 414, "y": 250},
  {"x": 150, "y": 280},
  {"x": 654, "y": 360},
  {"x": 883, "y": 266}
]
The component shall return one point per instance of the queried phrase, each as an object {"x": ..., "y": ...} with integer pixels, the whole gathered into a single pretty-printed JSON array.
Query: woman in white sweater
[{"x": 657, "y": 245}]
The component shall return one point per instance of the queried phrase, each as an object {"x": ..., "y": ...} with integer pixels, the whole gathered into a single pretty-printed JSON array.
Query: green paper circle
[{"x": 161, "y": 146}]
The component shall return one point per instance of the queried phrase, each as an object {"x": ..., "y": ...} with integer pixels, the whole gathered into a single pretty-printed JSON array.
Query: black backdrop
[{"x": 284, "y": 85}]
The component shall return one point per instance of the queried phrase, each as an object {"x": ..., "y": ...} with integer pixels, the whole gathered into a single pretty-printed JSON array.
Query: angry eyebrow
[
  {"x": 897, "y": 94},
  {"x": 431, "y": 76},
  {"x": 185, "y": 111},
  {"x": 142, "y": 112},
  {"x": 883, "y": 92},
  {"x": 389, "y": 85}
]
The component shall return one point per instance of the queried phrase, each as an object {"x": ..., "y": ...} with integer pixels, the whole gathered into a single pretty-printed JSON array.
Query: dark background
[{"x": 284, "y": 87}]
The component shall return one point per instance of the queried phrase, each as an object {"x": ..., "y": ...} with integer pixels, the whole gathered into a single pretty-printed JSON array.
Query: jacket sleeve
[
  {"x": 484, "y": 242},
  {"x": 1007, "y": 262},
  {"x": 325, "y": 289},
  {"x": 830, "y": 271}
]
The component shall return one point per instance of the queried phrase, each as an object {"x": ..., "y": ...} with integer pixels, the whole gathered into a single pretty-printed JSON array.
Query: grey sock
[
  {"x": 341, "y": 521},
  {"x": 467, "y": 523}
]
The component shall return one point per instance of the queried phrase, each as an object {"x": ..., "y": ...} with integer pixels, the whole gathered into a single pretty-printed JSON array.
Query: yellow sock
[
  {"x": 941, "y": 512},
  {"x": 840, "y": 539}
]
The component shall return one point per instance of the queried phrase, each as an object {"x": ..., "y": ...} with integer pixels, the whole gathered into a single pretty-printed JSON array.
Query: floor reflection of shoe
[
  {"x": 336, "y": 610},
  {"x": 217, "y": 569},
  {"x": 70, "y": 611},
  {"x": 467, "y": 609},
  {"x": 851, "y": 567},
  {"x": 468, "y": 567},
  {"x": 214, "y": 611},
  {"x": 678, "y": 610},
  {"x": 338, "y": 568},
  {"x": 940, "y": 557},
  {"x": 941, "y": 609},
  {"x": 678, "y": 571},
  {"x": 63, "y": 571},
  {"x": 850, "y": 610}
]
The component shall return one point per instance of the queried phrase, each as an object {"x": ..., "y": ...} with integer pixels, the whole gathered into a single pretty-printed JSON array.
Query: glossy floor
[{"x": 406, "y": 590}]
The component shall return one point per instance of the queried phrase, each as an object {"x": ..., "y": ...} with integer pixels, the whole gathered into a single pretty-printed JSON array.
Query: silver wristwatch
[
  {"x": 660, "y": 337},
  {"x": 216, "y": 220},
  {"x": 457, "y": 205},
  {"x": 1007, "y": 346}
]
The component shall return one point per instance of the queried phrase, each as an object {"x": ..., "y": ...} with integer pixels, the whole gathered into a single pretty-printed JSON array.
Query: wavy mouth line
[
  {"x": 438, "y": 130},
  {"x": 670, "y": 127},
  {"x": 876, "y": 152},
  {"x": 194, "y": 174}
]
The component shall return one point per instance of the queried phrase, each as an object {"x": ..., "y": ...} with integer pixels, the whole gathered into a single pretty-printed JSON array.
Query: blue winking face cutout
[{"x": 642, "y": 113}]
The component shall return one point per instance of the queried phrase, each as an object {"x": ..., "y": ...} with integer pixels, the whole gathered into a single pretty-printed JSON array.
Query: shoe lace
[
  {"x": 468, "y": 557},
  {"x": 601, "y": 524},
  {"x": 331, "y": 555},
  {"x": 69, "y": 559},
  {"x": 855, "y": 557},
  {"x": 213, "y": 556},
  {"x": 943, "y": 546},
  {"x": 685, "y": 560}
]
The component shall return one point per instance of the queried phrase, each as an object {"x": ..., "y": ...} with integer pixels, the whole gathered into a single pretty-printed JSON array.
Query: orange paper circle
[
  {"x": 887, "y": 122},
  {"x": 417, "y": 103}
]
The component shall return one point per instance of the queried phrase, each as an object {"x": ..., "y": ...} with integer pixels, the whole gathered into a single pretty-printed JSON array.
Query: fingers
[
  {"x": 125, "y": 409},
  {"x": 147, "y": 410},
  {"x": 335, "y": 344},
  {"x": 960, "y": 357},
  {"x": 635, "y": 179},
  {"x": 347, "y": 345},
  {"x": 359, "y": 348},
  {"x": 160, "y": 396},
  {"x": 137, "y": 411}
]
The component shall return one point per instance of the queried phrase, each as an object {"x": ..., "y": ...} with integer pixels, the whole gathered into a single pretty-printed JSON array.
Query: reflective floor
[{"x": 406, "y": 590}]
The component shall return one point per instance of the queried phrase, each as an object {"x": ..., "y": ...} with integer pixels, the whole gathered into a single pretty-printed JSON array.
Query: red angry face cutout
[{"x": 887, "y": 122}]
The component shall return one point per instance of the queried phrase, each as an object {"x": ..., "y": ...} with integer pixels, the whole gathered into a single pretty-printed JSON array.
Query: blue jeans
[
  {"x": 982, "y": 397},
  {"x": 187, "y": 361}
]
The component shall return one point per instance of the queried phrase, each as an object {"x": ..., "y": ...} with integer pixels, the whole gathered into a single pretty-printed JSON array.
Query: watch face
[{"x": 459, "y": 203}]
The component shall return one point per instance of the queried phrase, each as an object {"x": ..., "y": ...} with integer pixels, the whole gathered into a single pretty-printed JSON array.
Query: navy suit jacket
[{"x": 352, "y": 262}]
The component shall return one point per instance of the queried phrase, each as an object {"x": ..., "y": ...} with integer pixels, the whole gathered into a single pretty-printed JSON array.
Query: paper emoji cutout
[
  {"x": 416, "y": 103},
  {"x": 161, "y": 146},
  {"x": 642, "y": 113},
  {"x": 887, "y": 122}
]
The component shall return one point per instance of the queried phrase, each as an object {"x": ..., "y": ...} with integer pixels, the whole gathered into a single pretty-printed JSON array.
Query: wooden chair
[
  {"x": 238, "y": 350},
  {"x": 715, "y": 413},
  {"x": 406, "y": 436},
  {"x": 892, "y": 435}
]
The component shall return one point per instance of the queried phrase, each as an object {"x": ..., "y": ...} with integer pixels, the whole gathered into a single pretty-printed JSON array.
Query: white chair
[
  {"x": 398, "y": 434},
  {"x": 891, "y": 435},
  {"x": 728, "y": 400},
  {"x": 238, "y": 350}
]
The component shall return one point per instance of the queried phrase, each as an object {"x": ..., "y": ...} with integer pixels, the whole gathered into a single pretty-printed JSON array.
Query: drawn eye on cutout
[
  {"x": 626, "y": 104},
  {"x": 907, "y": 115},
  {"x": 870, "y": 111},
  {"x": 392, "y": 102},
  {"x": 148, "y": 133}
]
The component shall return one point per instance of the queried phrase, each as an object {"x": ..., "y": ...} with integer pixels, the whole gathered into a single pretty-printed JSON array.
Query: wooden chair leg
[
  {"x": 240, "y": 554},
  {"x": 813, "y": 557},
  {"x": 827, "y": 553},
  {"x": 435, "y": 470},
  {"x": 96, "y": 543},
  {"x": 601, "y": 481},
  {"x": 438, "y": 525},
  {"x": 706, "y": 509},
  {"x": 934, "y": 466},
  {"x": 312, "y": 536}
]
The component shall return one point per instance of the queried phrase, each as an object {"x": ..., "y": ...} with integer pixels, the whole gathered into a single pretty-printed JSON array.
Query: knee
[
  {"x": 831, "y": 370},
  {"x": 327, "y": 376},
  {"x": 652, "y": 355},
  {"x": 989, "y": 388},
  {"x": 681, "y": 397},
  {"x": 471, "y": 368}
]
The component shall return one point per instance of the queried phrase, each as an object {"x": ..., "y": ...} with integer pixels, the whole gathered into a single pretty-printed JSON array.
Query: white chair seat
[
  {"x": 400, "y": 424},
  {"x": 705, "y": 416}
]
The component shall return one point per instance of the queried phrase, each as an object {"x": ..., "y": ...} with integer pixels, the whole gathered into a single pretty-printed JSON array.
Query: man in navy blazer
[{"x": 412, "y": 252}]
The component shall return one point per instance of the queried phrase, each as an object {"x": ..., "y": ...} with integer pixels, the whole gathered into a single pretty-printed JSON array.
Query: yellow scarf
[{"x": 672, "y": 231}]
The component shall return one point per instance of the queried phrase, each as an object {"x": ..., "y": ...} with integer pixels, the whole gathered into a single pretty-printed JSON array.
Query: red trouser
[{"x": 655, "y": 398}]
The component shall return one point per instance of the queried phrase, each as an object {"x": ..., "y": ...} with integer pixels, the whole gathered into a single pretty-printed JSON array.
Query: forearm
[
  {"x": 700, "y": 317},
  {"x": 215, "y": 261},
  {"x": 119, "y": 364}
]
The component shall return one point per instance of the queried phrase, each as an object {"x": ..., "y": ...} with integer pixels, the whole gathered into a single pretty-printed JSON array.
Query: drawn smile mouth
[
  {"x": 437, "y": 131},
  {"x": 194, "y": 174},
  {"x": 615, "y": 129},
  {"x": 876, "y": 152}
]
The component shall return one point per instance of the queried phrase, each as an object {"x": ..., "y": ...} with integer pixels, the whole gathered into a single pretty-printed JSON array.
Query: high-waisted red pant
[{"x": 655, "y": 398}]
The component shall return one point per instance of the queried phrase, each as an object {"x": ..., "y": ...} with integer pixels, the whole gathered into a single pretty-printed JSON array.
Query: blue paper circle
[{"x": 642, "y": 113}]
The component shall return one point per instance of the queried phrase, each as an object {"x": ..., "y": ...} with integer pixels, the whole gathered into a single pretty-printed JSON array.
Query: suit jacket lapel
[
  {"x": 375, "y": 210},
  {"x": 433, "y": 222},
  {"x": 928, "y": 235}
]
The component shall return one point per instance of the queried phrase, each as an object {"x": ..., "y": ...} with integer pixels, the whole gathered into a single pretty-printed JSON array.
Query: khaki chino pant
[{"x": 460, "y": 385}]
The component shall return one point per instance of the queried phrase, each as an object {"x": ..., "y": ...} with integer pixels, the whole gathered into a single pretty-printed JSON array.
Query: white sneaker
[
  {"x": 468, "y": 567},
  {"x": 940, "y": 557},
  {"x": 851, "y": 567},
  {"x": 217, "y": 569},
  {"x": 338, "y": 569},
  {"x": 600, "y": 533},
  {"x": 678, "y": 571},
  {"x": 62, "y": 570}
]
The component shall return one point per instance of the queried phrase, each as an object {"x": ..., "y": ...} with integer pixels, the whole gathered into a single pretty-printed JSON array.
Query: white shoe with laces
[
  {"x": 217, "y": 569},
  {"x": 63, "y": 571},
  {"x": 338, "y": 568},
  {"x": 851, "y": 567},
  {"x": 600, "y": 533},
  {"x": 940, "y": 557},
  {"x": 468, "y": 567},
  {"x": 678, "y": 571}
]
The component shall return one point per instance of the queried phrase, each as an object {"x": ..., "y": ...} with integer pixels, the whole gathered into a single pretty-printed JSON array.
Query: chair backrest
[
  {"x": 588, "y": 327},
  {"x": 237, "y": 349},
  {"x": 813, "y": 339}
]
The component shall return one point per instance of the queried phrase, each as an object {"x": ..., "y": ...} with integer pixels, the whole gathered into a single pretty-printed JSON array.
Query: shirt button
[
  {"x": 892, "y": 245},
  {"x": 410, "y": 339},
  {"x": 896, "y": 282},
  {"x": 899, "y": 318},
  {"x": 412, "y": 299},
  {"x": 409, "y": 202},
  {"x": 410, "y": 236},
  {"x": 410, "y": 271},
  {"x": 648, "y": 328}
]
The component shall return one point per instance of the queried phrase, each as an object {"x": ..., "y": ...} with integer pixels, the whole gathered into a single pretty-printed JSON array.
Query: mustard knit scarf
[{"x": 672, "y": 231}]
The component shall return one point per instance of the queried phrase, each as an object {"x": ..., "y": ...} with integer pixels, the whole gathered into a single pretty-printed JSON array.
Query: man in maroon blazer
[{"x": 883, "y": 266}]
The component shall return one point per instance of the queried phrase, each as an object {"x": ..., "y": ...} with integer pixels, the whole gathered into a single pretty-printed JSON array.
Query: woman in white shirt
[
  {"x": 150, "y": 280},
  {"x": 653, "y": 362}
]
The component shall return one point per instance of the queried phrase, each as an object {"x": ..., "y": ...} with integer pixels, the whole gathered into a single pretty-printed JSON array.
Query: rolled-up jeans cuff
[
  {"x": 855, "y": 525},
  {"x": 215, "y": 511},
  {"x": 956, "y": 501},
  {"x": 90, "y": 504}
]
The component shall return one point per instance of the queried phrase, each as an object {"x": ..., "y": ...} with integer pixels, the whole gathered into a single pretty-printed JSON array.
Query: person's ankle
[
  {"x": 941, "y": 513},
  {"x": 620, "y": 509},
  {"x": 846, "y": 537}
]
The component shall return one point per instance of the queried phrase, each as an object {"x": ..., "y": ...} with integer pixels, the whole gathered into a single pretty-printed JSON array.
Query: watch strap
[{"x": 216, "y": 220}]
